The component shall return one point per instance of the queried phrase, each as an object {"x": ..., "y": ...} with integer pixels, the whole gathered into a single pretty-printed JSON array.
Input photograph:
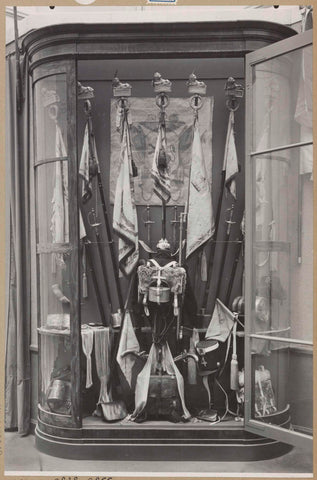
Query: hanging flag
[
  {"x": 304, "y": 111},
  {"x": 230, "y": 163},
  {"x": 60, "y": 216},
  {"x": 221, "y": 323},
  {"x": 200, "y": 222},
  {"x": 128, "y": 343},
  {"x": 125, "y": 220},
  {"x": 60, "y": 220},
  {"x": 160, "y": 172},
  {"x": 88, "y": 165}
]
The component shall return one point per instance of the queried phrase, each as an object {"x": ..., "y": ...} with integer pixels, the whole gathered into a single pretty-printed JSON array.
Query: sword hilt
[
  {"x": 174, "y": 221},
  {"x": 92, "y": 220},
  {"x": 148, "y": 221},
  {"x": 230, "y": 222}
]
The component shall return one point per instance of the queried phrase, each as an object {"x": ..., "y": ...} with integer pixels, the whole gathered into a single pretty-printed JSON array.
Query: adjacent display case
[{"x": 74, "y": 252}]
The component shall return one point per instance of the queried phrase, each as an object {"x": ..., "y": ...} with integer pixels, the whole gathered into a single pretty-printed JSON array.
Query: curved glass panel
[
  {"x": 50, "y": 117},
  {"x": 282, "y": 100}
]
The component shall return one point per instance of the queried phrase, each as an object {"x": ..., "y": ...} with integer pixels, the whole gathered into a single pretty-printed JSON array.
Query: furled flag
[
  {"x": 125, "y": 220},
  {"x": 230, "y": 162},
  {"x": 200, "y": 222},
  {"x": 160, "y": 172},
  {"x": 87, "y": 165}
]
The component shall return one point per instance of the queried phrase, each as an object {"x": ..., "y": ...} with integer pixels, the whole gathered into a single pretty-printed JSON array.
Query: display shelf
[
  {"x": 53, "y": 331},
  {"x": 43, "y": 161},
  {"x": 272, "y": 246},
  {"x": 42, "y": 248}
]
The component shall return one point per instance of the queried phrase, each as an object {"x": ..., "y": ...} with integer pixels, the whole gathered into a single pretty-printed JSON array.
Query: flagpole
[
  {"x": 163, "y": 219},
  {"x": 93, "y": 223},
  {"x": 233, "y": 92},
  {"x": 239, "y": 248},
  {"x": 162, "y": 87},
  {"x": 115, "y": 267},
  {"x": 196, "y": 88}
]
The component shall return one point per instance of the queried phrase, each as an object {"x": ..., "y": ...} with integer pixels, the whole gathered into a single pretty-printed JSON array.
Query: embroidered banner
[{"x": 179, "y": 136}]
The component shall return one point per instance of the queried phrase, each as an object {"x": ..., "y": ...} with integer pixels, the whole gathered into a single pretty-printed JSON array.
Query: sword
[
  {"x": 226, "y": 242},
  {"x": 174, "y": 223},
  {"x": 95, "y": 225},
  {"x": 147, "y": 223}
]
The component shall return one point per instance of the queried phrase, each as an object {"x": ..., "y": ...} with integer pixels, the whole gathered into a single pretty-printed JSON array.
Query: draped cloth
[
  {"x": 125, "y": 220},
  {"x": 18, "y": 266},
  {"x": 128, "y": 341},
  {"x": 200, "y": 222},
  {"x": 221, "y": 323},
  {"x": 159, "y": 173},
  {"x": 87, "y": 337},
  {"x": 230, "y": 163},
  {"x": 143, "y": 380},
  {"x": 102, "y": 357}
]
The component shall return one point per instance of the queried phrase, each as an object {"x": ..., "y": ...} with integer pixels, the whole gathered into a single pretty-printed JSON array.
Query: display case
[{"x": 86, "y": 407}]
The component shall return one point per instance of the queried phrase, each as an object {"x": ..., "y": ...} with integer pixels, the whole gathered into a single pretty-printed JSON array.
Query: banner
[{"x": 200, "y": 221}]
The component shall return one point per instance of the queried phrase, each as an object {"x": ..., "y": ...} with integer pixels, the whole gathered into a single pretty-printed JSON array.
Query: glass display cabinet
[{"x": 77, "y": 294}]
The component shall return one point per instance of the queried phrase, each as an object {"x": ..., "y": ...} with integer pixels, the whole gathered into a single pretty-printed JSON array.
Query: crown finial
[{"x": 163, "y": 244}]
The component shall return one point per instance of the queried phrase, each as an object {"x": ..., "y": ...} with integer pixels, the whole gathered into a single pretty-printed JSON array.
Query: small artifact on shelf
[
  {"x": 265, "y": 403},
  {"x": 58, "y": 396},
  {"x": 58, "y": 321}
]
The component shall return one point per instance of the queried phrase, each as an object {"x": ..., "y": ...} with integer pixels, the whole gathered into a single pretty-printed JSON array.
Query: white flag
[
  {"x": 221, "y": 323},
  {"x": 125, "y": 220},
  {"x": 128, "y": 342},
  {"x": 230, "y": 163},
  {"x": 200, "y": 222}
]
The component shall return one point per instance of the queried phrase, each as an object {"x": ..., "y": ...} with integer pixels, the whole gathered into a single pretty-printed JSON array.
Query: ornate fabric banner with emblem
[
  {"x": 200, "y": 222},
  {"x": 179, "y": 135},
  {"x": 230, "y": 163},
  {"x": 125, "y": 221}
]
